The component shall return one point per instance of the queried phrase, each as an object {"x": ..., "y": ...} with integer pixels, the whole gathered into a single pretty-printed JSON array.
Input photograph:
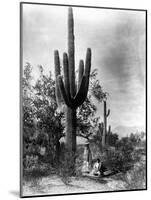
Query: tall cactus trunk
[
  {"x": 105, "y": 124},
  {"x": 71, "y": 112},
  {"x": 106, "y": 114},
  {"x": 71, "y": 129},
  {"x": 71, "y": 53}
]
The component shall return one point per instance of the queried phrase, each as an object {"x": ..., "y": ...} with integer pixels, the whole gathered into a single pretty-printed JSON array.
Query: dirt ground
[{"x": 54, "y": 185}]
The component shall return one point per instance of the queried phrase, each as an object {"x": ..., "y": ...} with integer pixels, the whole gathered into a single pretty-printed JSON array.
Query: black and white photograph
[{"x": 82, "y": 99}]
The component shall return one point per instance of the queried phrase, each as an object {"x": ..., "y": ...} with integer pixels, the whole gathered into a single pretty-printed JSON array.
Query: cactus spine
[
  {"x": 106, "y": 114},
  {"x": 73, "y": 96}
]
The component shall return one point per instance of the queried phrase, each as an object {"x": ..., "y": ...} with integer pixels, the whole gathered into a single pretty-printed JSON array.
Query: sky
[{"x": 117, "y": 40}]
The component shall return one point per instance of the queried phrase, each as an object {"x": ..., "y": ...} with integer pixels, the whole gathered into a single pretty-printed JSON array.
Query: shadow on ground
[
  {"x": 14, "y": 193},
  {"x": 98, "y": 180}
]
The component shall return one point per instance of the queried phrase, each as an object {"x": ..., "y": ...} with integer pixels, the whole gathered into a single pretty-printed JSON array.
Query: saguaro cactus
[
  {"x": 106, "y": 114},
  {"x": 100, "y": 129},
  {"x": 108, "y": 135},
  {"x": 72, "y": 94},
  {"x": 109, "y": 130}
]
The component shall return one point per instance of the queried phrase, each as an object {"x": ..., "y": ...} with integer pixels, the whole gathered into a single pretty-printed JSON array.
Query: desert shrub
[
  {"x": 112, "y": 139},
  {"x": 136, "y": 177},
  {"x": 34, "y": 175},
  {"x": 118, "y": 161},
  {"x": 126, "y": 154},
  {"x": 137, "y": 154},
  {"x": 125, "y": 145},
  {"x": 122, "y": 158},
  {"x": 30, "y": 162}
]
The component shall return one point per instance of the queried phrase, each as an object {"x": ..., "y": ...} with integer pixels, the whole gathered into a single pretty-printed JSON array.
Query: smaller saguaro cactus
[
  {"x": 108, "y": 134},
  {"x": 109, "y": 130},
  {"x": 106, "y": 114},
  {"x": 100, "y": 129}
]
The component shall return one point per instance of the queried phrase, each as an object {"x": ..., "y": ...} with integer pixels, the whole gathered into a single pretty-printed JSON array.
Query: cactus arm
[
  {"x": 57, "y": 73},
  {"x": 63, "y": 91},
  {"x": 81, "y": 71},
  {"x": 81, "y": 94},
  {"x": 87, "y": 74},
  {"x": 64, "y": 87},
  {"x": 57, "y": 63},
  {"x": 71, "y": 52},
  {"x": 66, "y": 75},
  {"x": 83, "y": 90},
  {"x": 88, "y": 66}
]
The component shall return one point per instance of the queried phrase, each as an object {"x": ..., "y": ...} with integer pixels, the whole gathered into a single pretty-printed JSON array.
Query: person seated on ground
[{"x": 96, "y": 168}]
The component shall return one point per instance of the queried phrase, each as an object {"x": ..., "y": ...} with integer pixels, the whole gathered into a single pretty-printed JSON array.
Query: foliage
[
  {"x": 125, "y": 155},
  {"x": 136, "y": 177},
  {"x": 49, "y": 119},
  {"x": 43, "y": 123},
  {"x": 34, "y": 175},
  {"x": 87, "y": 122},
  {"x": 96, "y": 88},
  {"x": 112, "y": 139}
]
